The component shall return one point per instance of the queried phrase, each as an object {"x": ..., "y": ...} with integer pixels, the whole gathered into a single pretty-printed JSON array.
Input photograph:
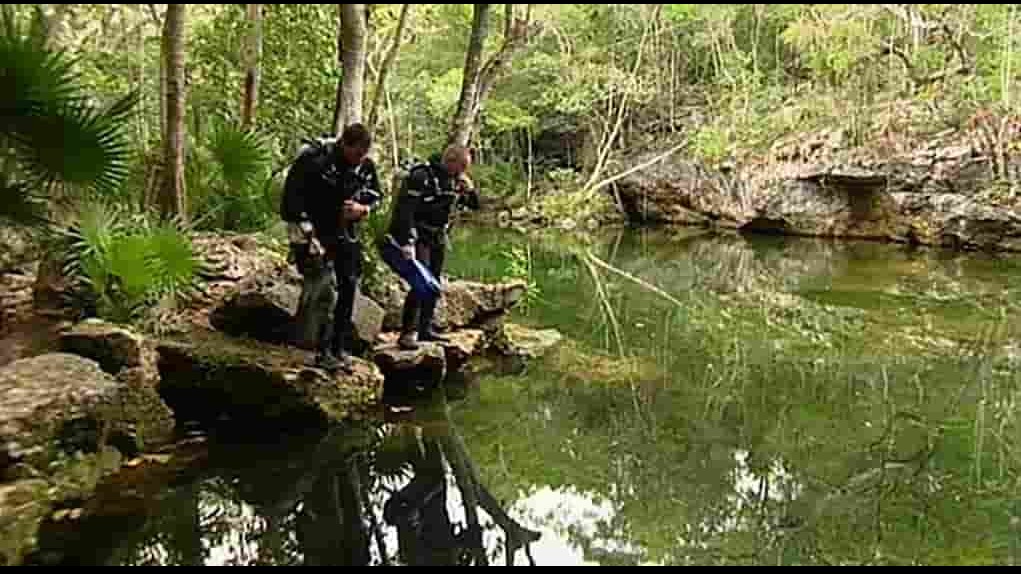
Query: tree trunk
[
  {"x": 395, "y": 142},
  {"x": 515, "y": 37},
  {"x": 515, "y": 34},
  {"x": 531, "y": 165},
  {"x": 143, "y": 133},
  {"x": 1008, "y": 57},
  {"x": 163, "y": 76},
  {"x": 158, "y": 21},
  {"x": 612, "y": 130},
  {"x": 252, "y": 59},
  {"x": 391, "y": 57},
  {"x": 172, "y": 198},
  {"x": 461, "y": 127},
  {"x": 351, "y": 42}
]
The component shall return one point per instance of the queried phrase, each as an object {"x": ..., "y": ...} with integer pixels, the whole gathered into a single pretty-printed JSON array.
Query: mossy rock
[{"x": 207, "y": 371}]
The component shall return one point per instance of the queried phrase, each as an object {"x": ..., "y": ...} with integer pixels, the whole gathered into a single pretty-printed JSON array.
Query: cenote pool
[{"x": 716, "y": 400}]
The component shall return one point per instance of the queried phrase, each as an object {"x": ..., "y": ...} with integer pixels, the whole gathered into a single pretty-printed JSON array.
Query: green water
[{"x": 781, "y": 401}]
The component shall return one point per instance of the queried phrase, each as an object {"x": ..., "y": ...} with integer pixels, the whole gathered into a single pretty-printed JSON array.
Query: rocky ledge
[
  {"x": 223, "y": 374},
  {"x": 69, "y": 418},
  {"x": 526, "y": 343},
  {"x": 64, "y": 425},
  {"x": 18, "y": 270},
  {"x": 231, "y": 344},
  {"x": 262, "y": 308},
  {"x": 431, "y": 361},
  {"x": 939, "y": 193},
  {"x": 212, "y": 374}
]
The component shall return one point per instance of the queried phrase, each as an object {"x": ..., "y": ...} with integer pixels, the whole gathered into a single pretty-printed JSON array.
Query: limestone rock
[
  {"x": 465, "y": 304},
  {"x": 114, "y": 348},
  {"x": 252, "y": 380},
  {"x": 519, "y": 341},
  {"x": 428, "y": 363}
]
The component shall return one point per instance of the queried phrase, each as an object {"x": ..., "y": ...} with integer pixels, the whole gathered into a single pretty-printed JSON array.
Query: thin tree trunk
[
  {"x": 338, "y": 120},
  {"x": 755, "y": 39},
  {"x": 143, "y": 133},
  {"x": 172, "y": 196},
  {"x": 531, "y": 165},
  {"x": 367, "y": 13},
  {"x": 394, "y": 136},
  {"x": 1008, "y": 57},
  {"x": 673, "y": 87},
  {"x": 461, "y": 127},
  {"x": 146, "y": 198},
  {"x": 515, "y": 36},
  {"x": 607, "y": 146},
  {"x": 252, "y": 59},
  {"x": 351, "y": 46},
  {"x": 163, "y": 76},
  {"x": 152, "y": 191},
  {"x": 388, "y": 62}
]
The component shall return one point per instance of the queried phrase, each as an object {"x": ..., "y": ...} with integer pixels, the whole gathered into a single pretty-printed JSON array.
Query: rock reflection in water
[{"x": 403, "y": 492}]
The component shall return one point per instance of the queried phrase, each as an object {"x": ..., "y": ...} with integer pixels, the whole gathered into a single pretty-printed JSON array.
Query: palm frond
[
  {"x": 121, "y": 261},
  {"x": 96, "y": 227},
  {"x": 130, "y": 262},
  {"x": 173, "y": 264},
  {"x": 85, "y": 246},
  {"x": 242, "y": 157},
  {"x": 78, "y": 145},
  {"x": 57, "y": 134},
  {"x": 18, "y": 205},
  {"x": 34, "y": 80}
]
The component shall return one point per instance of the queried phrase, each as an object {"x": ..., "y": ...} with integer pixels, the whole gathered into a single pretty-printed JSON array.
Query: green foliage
[
  {"x": 738, "y": 77},
  {"x": 442, "y": 92},
  {"x": 519, "y": 267},
  {"x": 299, "y": 69},
  {"x": 50, "y": 132},
  {"x": 372, "y": 231},
  {"x": 230, "y": 182},
  {"x": 502, "y": 116},
  {"x": 498, "y": 178},
  {"x": 832, "y": 46},
  {"x": 574, "y": 205},
  {"x": 125, "y": 263},
  {"x": 563, "y": 179},
  {"x": 710, "y": 144}
]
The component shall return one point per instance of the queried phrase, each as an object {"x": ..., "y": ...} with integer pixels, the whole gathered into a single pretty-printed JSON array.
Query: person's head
[
  {"x": 457, "y": 159},
  {"x": 355, "y": 143}
]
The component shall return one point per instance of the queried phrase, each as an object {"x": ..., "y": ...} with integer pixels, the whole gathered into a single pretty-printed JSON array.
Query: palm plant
[
  {"x": 230, "y": 179},
  {"x": 53, "y": 138},
  {"x": 122, "y": 264}
]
